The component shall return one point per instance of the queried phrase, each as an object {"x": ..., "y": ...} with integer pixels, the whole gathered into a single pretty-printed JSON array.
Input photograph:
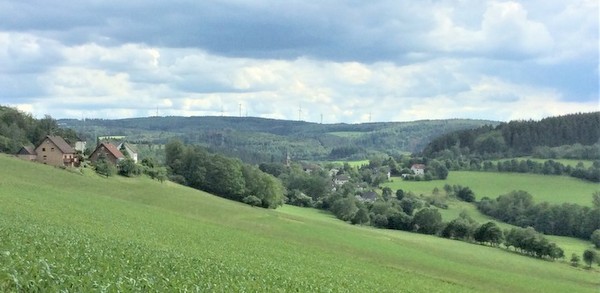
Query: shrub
[
  {"x": 252, "y": 200},
  {"x": 595, "y": 238}
]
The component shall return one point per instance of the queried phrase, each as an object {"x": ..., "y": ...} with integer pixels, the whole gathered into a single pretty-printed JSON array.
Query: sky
[{"x": 324, "y": 61}]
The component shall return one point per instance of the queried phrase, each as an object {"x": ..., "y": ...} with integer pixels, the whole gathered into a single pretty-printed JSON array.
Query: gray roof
[
  {"x": 61, "y": 144},
  {"x": 26, "y": 150}
]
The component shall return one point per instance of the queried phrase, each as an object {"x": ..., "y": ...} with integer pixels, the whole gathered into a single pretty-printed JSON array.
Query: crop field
[
  {"x": 553, "y": 189},
  {"x": 67, "y": 231}
]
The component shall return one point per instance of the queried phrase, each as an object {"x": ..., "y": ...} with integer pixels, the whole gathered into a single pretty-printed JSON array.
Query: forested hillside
[
  {"x": 18, "y": 129},
  {"x": 570, "y": 136},
  {"x": 263, "y": 140}
]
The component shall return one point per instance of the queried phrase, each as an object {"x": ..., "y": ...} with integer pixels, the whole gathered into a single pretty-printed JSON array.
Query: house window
[
  {"x": 43, "y": 149},
  {"x": 52, "y": 149}
]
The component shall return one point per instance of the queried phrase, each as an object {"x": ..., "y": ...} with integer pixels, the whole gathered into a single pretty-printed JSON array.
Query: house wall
[
  {"x": 418, "y": 171},
  {"x": 27, "y": 157},
  {"x": 48, "y": 153},
  {"x": 132, "y": 154}
]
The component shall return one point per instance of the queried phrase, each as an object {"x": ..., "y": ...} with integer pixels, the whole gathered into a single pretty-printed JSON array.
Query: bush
[
  {"x": 595, "y": 238},
  {"x": 127, "y": 167},
  {"x": 104, "y": 167},
  {"x": 252, "y": 200},
  {"x": 379, "y": 221}
]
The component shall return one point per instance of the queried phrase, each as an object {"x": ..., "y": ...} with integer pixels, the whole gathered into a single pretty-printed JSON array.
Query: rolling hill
[
  {"x": 263, "y": 140},
  {"x": 62, "y": 230}
]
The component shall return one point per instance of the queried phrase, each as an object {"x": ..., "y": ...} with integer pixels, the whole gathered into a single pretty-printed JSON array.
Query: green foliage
[
  {"x": 595, "y": 238},
  {"x": 460, "y": 228},
  {"x": 518, "y": 208},
  {"x": 575, "y": 260},
  {"x": 361, "y": 216},
  {"x": 464, "y": 193},
  {"x": 297, "y": 198},
  {"x": 257, "y": 140},
  {"x": 252, "y": 200},
  {"x": 427, "y": 221},
  {"x": 18, "y": 129},
  {"x": 104, "y": 167},
  {"x": 222, "y": 176},
  {"x": 519, "y": 137},
  {"x": 530, "y": 242},
  {"x": 127, "y": 167},
  {"x": 489, "y": 233},
  {"x": 344, "y": 208},
  {"x": 589, "y": 257}
]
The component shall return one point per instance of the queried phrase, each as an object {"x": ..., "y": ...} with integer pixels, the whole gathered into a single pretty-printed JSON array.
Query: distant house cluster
[{"x": 55, "y": 151}]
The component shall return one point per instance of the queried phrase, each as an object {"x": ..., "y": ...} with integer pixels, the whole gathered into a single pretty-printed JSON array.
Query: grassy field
[
  {"x": 354, "y": 164},
  {"x": 60, "y": 230},
  {"x": 348, "y": 134},
  {"x": 553, "y": 189}
]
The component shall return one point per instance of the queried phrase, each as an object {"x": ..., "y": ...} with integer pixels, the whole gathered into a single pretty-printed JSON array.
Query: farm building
[
  {"x": 418, "y": 169},
  {"x": 109, "y": 150},
  {"x": 126, "y": 147},
  {"x": 27, "y": 153},
  {"x": 341, "y": 179},
  {"x": 55, "y": 151}
]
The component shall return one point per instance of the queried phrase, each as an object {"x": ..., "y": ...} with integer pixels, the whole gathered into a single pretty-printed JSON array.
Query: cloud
[{"x": 387, "y": 60}]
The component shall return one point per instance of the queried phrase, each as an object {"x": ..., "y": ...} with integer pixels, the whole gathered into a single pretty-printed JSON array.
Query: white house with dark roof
[{"x": 418, "y": 169}]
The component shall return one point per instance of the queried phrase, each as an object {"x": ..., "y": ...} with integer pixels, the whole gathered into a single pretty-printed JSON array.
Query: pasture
[
  {"x": 552, "y": 189},
  {"x": 62, "y": 230}
]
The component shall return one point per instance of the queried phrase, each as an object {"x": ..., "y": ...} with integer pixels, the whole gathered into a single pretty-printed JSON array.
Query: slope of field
[
  {"x": 553, "y": 189},
  {"x": 63, "y": 230}
]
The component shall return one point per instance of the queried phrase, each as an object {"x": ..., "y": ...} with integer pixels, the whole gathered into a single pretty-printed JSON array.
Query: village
[
  {"x": 112, "y": 150},
  {"x": 55, "y": 151}
]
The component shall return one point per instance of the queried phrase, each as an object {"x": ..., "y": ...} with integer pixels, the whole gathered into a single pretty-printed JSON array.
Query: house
[
  {"x": 27, "y": 153},
  {"x": 55, "y": 151},
  {"x": 369, "y": 196},
  {"x": 341, "y": 179},
  {"x": 109, "y": 150},
  {"x": 80, "y": 146},
  {"x": 129, "y": 149},
  {"x": 309, "y": 168},
  {"x": 418, "y": 169}
]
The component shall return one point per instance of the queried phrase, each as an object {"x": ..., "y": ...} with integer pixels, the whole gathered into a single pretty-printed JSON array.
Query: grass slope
[
  {"x": 553, "y": 189},
  {"x": 61, "y": 230}
]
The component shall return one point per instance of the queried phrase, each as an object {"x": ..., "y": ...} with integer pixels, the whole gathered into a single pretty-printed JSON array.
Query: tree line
[
  {"x": 548, "y": 167},
  {"x": 18, "y": 129},
  {"x": 517, "y": 208},
  {"x": 520, "y": 138},
  {"x": 222, "y": 176}
]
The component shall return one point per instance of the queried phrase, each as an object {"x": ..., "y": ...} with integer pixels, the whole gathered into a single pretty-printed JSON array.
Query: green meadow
[
  {"x": 347, "y": 134},
  {"x": 68, "y": 231},
  {"x": 354, "y": 164},
  {"x": 553, "y": 189}
]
